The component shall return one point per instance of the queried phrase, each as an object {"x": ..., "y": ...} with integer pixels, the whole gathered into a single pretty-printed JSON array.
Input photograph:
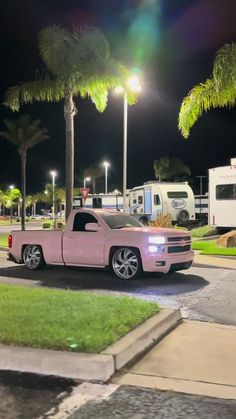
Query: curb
[
  {"x": 143, "y": 337},
  {"x": 86, "y": 366}
]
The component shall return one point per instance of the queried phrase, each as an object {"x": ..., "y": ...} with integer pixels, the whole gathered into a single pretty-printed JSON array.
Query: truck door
[{"x": 81, "y": 247}]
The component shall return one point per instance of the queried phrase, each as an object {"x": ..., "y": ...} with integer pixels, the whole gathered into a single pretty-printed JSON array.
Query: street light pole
[
  {"x": 134, "y": 86},
  {"x": 125, "y": 125},
  {"x": 86, "y": 179},
  {"x": 106, "y": 165},
  {"x": 200, "y": 178},
  {"x": 53, "y": 174},
  {"x": 200, "y": 199}
]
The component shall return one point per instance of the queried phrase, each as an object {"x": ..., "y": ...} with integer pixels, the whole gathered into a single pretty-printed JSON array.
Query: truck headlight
[
  {"x": 156, "y": 249},
  {"x": 156, "y": 240}
]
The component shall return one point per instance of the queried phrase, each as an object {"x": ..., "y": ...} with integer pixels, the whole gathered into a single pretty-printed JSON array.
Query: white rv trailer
[
  {"x": 112, "y": 201},
  {"x": 154, "y": 198},
  {"x": 222, "y": 195}
]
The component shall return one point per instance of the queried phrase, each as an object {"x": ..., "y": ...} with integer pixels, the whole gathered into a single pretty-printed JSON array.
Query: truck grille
[
  {"x": 179, "y": 249},
  {"x": 179, "y": 238}
]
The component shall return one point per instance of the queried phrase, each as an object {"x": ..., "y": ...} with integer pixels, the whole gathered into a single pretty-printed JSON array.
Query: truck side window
[
  {"x": 81, "y": 219},
  {"x": 156, "y": 199},
  {"x": 140, "y": 199}
]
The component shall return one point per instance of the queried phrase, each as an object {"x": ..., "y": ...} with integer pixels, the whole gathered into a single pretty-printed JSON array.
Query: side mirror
[{"x": 92, "y": 227}]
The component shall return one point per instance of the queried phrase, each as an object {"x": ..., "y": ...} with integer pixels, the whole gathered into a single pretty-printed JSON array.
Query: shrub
[
  {"x": 46, "y": 225},
  {"x": 60, "y": 225},
  {"x": 164, "y": 220},
  {"x": 205, "y": 231}
]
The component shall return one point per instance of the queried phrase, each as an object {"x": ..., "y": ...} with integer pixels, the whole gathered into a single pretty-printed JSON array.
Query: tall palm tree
[
  {"x": 217, "y": 91},
  {"x": 78, "y": 63},
  {"x": 25, "y": 133}
]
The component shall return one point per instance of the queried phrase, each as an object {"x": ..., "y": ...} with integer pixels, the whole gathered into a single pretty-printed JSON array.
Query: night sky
[{"x": 173, "y": 42}]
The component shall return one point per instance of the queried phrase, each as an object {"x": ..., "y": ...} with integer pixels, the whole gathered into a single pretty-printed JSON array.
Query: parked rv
[
  {"x": 172, "y": 199},
  {"x": 222, "y": 195},
  {"x": 111, "y": 201},
  {"x": 153, "y": 199}
]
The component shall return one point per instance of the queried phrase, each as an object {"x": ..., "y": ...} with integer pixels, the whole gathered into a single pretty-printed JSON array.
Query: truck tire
[
  {"x": 126, "y": 263},
  {"x": 33, "y": 257},
  {"x": 183, "y": 216}
]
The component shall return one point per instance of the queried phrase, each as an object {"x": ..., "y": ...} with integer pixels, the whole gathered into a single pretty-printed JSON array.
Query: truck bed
[{"x": 50, "y": 240}]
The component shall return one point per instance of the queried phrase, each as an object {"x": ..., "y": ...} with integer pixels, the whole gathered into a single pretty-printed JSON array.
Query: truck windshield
[{"x": 116, "y": 221}]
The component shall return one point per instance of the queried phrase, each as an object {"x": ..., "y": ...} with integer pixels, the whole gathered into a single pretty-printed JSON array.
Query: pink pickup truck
[{"x": 101, "y": 238}]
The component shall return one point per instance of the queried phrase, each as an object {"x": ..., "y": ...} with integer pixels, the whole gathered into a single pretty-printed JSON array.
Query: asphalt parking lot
[{"x": 203, "y": 293}]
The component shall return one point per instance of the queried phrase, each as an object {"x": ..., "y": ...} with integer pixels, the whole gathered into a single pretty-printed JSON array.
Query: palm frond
[
  {"x": 202, "y": 98},
  {"x": 219, "y": 91},
  {"x": 57, "y": 49},
  {"x": 224, "y": 68},
  {"x": 41, "y": 90}
]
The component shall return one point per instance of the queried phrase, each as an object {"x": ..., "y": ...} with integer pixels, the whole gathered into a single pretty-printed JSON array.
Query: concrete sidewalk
[{"x": 196, "y": 358}]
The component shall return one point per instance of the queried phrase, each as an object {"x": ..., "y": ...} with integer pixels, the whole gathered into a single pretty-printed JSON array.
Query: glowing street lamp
[
  {"x": 132, "y": 85},
  {"x": 106, "y": 165},
  {"x": 53, "y": 173},
  {"x": 86, "y": 179}
]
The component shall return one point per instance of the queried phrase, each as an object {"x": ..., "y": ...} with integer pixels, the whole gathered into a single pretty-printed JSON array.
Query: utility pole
[
  {"x": 200, "y": 179},
  {"x": 200, "y": 199}
]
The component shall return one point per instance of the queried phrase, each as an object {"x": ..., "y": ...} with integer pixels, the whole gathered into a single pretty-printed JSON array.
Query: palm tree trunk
[
  {"x": 69, "y": 112},
  {"x": 23, "y": 189}
]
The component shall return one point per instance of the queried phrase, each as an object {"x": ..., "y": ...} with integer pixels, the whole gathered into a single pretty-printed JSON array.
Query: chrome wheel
[
  {"x": 126, "y": 263},
  {"x": 32, "y": 257}
]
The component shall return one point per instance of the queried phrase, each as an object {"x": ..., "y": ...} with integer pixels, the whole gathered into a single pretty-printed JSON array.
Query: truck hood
[{"x": 156, "y": 230}]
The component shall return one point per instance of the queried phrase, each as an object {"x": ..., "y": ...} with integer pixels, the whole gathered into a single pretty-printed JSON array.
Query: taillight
[{"x": 9, "y": 241}]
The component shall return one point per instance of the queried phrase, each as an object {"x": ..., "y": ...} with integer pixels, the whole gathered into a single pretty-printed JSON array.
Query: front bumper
[{"x": 167, "y": 262}]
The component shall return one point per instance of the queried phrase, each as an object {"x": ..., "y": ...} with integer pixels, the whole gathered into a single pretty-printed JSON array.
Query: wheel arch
[
  {"x": 113, "y": 249},
  {"x": 30, "y": 244}
]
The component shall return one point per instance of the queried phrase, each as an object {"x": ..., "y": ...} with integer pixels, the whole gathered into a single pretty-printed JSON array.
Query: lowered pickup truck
[{"x": 104, "y": 238}]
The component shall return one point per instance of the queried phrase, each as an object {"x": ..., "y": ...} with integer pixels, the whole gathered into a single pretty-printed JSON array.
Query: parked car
[
  {"x": 101, "y": 238},
  {"x": 40, "y": 217}
]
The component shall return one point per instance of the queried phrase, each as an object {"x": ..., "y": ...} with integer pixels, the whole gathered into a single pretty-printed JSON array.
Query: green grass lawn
[
  {"x": 67, "y": 320},
  {"x": 4, "y": 239},
  {"x": 210, "y": 248}
]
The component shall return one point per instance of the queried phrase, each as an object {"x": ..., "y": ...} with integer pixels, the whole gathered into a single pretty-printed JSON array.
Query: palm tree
[
  {"x": 218, "y": 91},
  {"x": 78, "y": 63},
  {"x": 170, "y": 168},
  {"x": 25, "y": 133},
  {"x": 11, "y": 196}
]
